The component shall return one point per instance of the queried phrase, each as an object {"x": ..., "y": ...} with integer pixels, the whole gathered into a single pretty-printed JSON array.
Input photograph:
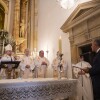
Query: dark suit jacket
[{"x": 95, "y": 75}]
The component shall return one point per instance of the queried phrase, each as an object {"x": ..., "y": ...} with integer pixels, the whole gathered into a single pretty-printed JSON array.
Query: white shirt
[{"x": 97, "y": 50}]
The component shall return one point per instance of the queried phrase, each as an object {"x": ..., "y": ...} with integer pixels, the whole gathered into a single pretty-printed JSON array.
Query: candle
[{"x": 60, "y": 45}]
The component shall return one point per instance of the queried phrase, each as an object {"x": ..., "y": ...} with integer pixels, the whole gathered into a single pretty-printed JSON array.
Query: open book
[{"x": 77, "y": 66}]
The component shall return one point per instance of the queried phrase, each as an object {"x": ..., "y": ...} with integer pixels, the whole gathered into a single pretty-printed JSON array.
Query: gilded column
[
  {"x": 28, "y": 17},
  {"x": 31, "y": 20},
  {"x": 32, "y": 23},
  {"x": 6, "y": 21},
  {"x": 10, "y": 18},
  {"x": 17, "y": 19},
  {"x": 36, "y": 25},
  {"x": 15, "y": 33}
]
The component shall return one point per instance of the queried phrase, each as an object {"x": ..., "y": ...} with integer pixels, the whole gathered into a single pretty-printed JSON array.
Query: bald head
[
  {"x": 41, "y": 53},
  {"x": 95, "y": 45},
  {"x": 27, "y": 52}
]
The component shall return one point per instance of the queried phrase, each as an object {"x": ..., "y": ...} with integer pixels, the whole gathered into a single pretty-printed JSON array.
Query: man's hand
[
  {"x": 86, "y": 70},
  {"x": 44, "y": 63},
  {"x": 81, "y": 72},
  {"x": 27, "y": 66}
]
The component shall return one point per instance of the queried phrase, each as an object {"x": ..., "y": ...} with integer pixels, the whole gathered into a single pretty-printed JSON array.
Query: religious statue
[
  {"x": 22, "y": 29},
  {"x": 59, "y": 66}
]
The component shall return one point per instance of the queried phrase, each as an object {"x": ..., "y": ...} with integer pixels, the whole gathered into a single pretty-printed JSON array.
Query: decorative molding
[
  {"x": 5, "y": 4},
  {"x": 83, "y": 26},
  {"x": 85, "y": 9}
]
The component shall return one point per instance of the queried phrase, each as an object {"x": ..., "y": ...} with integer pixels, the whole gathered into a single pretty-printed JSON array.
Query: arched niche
[
  {"x": 4, "y": 15},
  {"x": 3, "y": 20},
  {"x": 4, "y": 6}
]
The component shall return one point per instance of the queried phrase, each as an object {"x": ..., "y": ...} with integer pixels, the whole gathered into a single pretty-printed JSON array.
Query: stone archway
[
  {"x": 4, "y": 5},
  {"x": 2, "y": 17}
]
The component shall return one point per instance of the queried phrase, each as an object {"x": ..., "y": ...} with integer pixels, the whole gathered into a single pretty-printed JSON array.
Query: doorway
[{"x": 86, "y": 51}]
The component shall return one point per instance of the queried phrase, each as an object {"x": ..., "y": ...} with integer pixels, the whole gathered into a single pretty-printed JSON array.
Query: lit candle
[{"x": 60, "y": 45}]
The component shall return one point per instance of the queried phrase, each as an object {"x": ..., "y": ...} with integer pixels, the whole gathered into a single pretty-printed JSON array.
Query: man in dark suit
[{"x": 95, "y": 70}]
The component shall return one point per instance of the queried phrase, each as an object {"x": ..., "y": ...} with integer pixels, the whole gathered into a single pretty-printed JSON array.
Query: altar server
[{"x": 85, "y": 91}]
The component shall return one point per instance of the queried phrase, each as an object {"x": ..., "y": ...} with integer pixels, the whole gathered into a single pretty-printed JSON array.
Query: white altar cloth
[{"x": 37, "y": 89}]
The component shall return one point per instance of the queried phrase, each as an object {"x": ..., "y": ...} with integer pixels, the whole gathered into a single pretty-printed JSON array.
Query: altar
[{"x": 37, "y": 89}]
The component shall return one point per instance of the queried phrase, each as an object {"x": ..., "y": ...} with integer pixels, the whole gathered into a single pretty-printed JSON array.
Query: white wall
[{"x": 50, "y": 18}]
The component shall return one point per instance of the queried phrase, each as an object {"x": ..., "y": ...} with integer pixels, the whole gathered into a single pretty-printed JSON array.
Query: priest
[
  {"x": 26, "y": 65},
  {"x": 85, "y": 91},
  {"x": 41, "y": 65}
]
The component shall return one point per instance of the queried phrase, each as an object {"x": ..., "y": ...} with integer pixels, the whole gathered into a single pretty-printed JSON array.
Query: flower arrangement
[{"x": 3, "y": 35}]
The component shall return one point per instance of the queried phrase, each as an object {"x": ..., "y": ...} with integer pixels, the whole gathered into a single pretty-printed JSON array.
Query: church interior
[{"x": 49, "y": 26}]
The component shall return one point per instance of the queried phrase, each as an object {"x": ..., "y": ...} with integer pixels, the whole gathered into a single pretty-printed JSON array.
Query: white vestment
[
  {"x": 55, "y": 65},
  {"x": 40, "y": 70},
  {"x": 26, "y": 72},
  {"x": 3, "y": 70},
  {"x": 84, "y": 86}
]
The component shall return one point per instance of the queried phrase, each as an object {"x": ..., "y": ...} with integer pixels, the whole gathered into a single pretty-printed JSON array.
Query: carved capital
[{"x": 71, "y": 39}]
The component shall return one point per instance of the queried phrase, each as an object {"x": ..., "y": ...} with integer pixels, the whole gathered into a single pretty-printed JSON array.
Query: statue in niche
[
  {"x": 22, "y": 47},
  {"x": 22, "y": 29}
]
